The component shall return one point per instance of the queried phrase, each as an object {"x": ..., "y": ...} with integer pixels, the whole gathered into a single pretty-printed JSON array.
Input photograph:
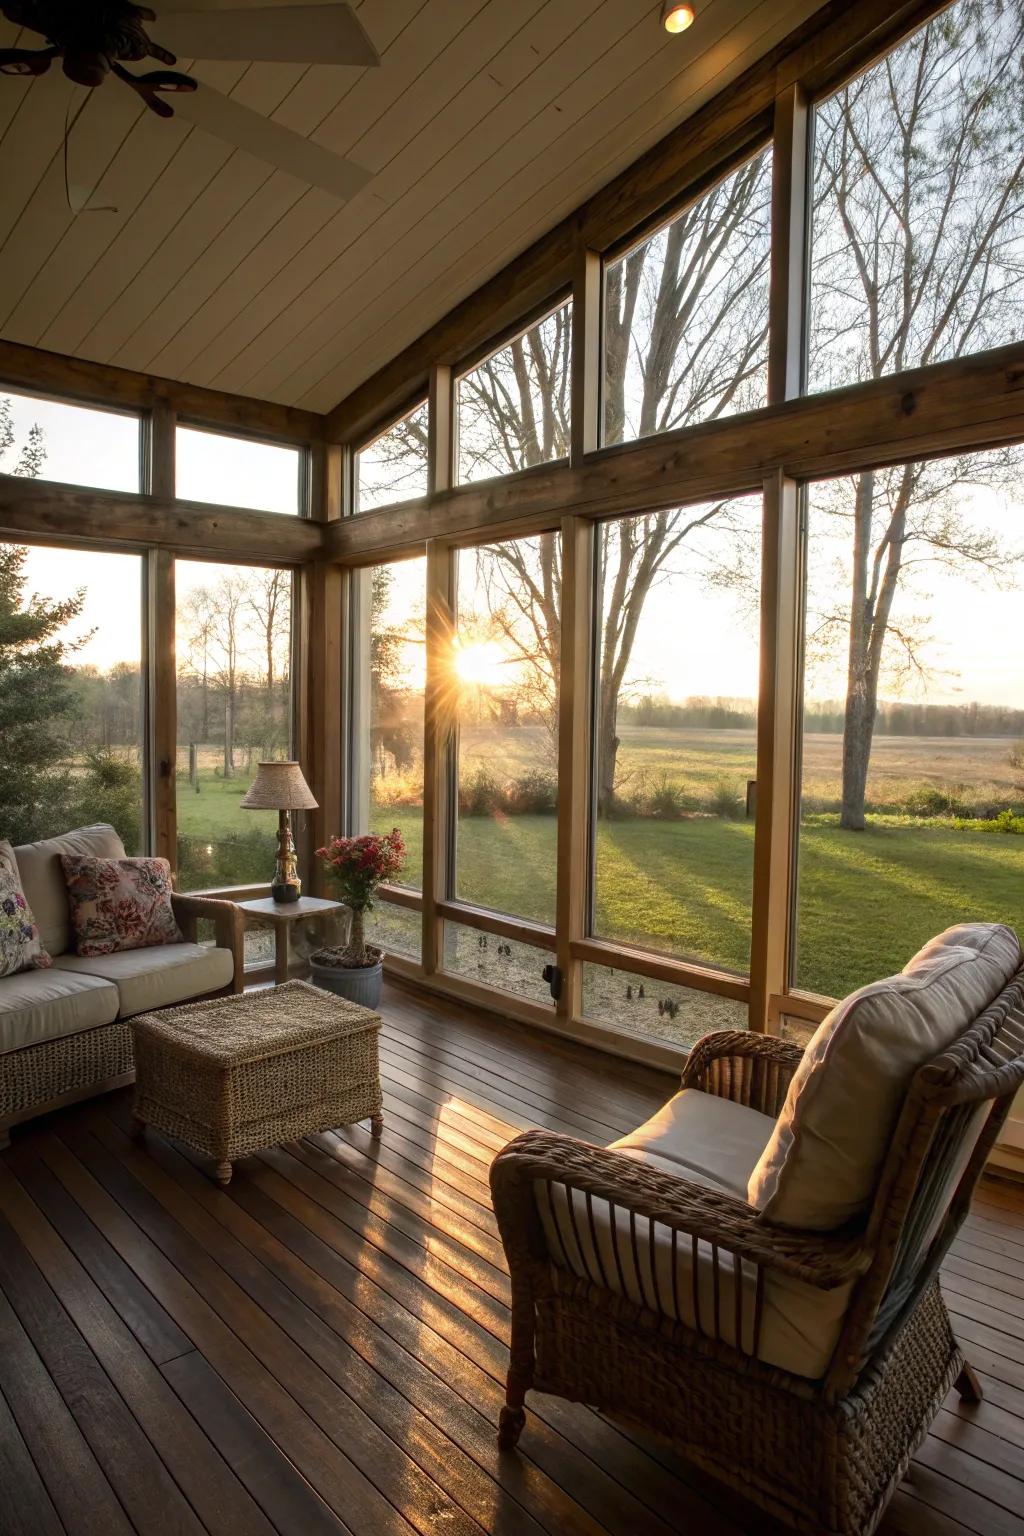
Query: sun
[{"x": 481, "y": 664}]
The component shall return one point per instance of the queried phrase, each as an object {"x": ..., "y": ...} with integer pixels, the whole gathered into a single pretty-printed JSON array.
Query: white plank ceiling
[{"x": 487, "y": 122}]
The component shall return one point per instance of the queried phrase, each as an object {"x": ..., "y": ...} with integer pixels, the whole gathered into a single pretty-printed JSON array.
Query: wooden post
[
  {"x": 777, "y": 769},
  {"x": 586, "y": 355},
  {"x": 318, "y": 701},
  {"x": 440, "y": 431},
  {"x": 437, "y": 726},
  {"x": 574, "y": 737},
  {"x": 790, "y": 235},
  {"x": 162, "y": 706}
]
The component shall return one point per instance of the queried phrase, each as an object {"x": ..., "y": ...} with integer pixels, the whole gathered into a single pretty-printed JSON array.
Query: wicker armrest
[
  {"x": 743, "y": 1066},
  {"x": 228, "y": 927},
  {"x": 822, "y": 1259}
]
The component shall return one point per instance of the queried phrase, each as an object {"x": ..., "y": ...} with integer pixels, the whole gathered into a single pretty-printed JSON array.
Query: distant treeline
[{"x": 894, "y": 719}]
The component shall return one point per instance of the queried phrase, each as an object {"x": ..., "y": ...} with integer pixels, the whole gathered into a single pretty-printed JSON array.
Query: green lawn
[
  {"x": 218, "y": 842},
  {"x": 867, "y": 900}
]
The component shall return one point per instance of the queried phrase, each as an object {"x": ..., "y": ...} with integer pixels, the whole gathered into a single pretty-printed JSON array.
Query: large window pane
[
  {"x": 77, "y": 444},
  {"x": 393, "y": 467},
  {"x": 913, "y": 745},
  {"x": 71, "y": 719},
  {"x": 239, "y": 471},
  {"x": 918, "y": 220},
  {"x": 387, "y": 737},
  {"x": 686, "y": 313},
  {"x": 505, "y": 684},
  {"x": 675, "y": 749},
  {"x": 234, "y": 709},
  {"x": 513, "y": 411}
]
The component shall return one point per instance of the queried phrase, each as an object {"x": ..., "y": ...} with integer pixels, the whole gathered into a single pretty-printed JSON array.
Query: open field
[{"x": 867, "y": 900}]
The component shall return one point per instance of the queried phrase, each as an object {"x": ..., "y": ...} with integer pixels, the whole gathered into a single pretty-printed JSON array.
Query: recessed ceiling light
[{"x": 676, "y": 18}]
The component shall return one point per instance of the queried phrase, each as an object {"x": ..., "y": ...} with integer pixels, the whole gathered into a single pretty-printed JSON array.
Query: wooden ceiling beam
[
  {"x": 839, "y": 39},
  {"x": 48, "y": 512},
  {"x": 966, "y": 403},
  {"x": 88, "y": 383}
]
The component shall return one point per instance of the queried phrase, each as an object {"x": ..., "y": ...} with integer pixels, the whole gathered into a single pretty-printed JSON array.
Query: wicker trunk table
[{"x": 236, "y": 1074}]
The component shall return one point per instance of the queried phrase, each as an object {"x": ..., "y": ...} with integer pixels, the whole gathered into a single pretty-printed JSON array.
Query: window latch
[{"x": 553, "y": 976}]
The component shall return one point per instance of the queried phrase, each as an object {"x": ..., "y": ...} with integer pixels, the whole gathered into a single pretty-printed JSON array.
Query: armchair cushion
[
  {"x": 699, "y": 1137},
  {"x": 823, "y": 1160},
  {"x": 42, "y": 878},
  {"x": 714, "y": 1143},
  {"x": 152, "y": 978},
  {"x": 36, "y": 1006}
]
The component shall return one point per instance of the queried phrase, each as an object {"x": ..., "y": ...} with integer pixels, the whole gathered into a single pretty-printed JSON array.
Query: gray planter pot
[{"x": 359, "y": 985}]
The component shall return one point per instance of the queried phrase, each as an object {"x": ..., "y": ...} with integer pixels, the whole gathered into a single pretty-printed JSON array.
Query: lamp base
[{"x": 286, "y": 885}]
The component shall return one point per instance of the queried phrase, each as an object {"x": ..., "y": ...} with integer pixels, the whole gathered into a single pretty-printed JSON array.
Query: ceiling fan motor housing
[{"x": 88, "y": 35}]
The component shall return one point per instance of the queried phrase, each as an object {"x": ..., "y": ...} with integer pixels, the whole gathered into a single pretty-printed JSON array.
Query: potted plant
[{"x": 354, "y": 867}]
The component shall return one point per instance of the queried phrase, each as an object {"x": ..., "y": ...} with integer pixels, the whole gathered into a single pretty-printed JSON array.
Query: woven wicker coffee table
[{"x": 236, "y": 1074}]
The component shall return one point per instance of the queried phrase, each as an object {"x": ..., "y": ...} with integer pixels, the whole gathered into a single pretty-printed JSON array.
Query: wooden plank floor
[{"x": 321, "y": 1349}]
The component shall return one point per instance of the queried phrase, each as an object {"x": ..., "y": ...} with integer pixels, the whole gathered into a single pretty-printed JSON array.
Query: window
[
  {"x": 675, "y": 739},
  {"x": 657, "y": 1010},
  {"x": 387, "y": 731},
  {"x": 918, "y": 213},
  {"x": 913, "y": 720},
  {"x": 76, "y": 444},
  {"x": 505, "y": 689},
  {"x": 71, "y": 715},
  {"x": 395, "y": 929},
  {"x": 393, "y": 467},
  {"x": 239, "y": 471},
  {"x": 686, "y": 313},
  {"x": 233, "y": 637},
  {"x": 513, "y": 410},
  {"x": 507, "y": 965}
]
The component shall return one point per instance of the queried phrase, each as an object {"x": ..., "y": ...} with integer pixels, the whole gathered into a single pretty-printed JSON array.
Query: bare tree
[
  {"x": 919, "y": 256},
  {"x": 269, "y": 603}
]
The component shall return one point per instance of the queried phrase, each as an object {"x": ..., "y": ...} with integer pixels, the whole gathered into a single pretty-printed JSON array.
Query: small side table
[{"x": 279, "y": 915}]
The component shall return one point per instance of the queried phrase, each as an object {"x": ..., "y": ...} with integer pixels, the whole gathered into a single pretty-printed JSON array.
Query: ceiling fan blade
[
  {"x": 280, "y": 34},
  {"x": 269, "y": 141}
]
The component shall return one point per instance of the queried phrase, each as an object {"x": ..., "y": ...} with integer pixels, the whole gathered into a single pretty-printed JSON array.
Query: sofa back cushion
[
  {"x": 42, "y": 878},
  {"x": 20, "y": 949},
  {"x": 823, "y": 1160},
  {"x": 119, "y": 904}
]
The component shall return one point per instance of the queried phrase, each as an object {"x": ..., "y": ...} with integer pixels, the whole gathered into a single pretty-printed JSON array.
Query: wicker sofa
[
  {"x": 693, "y": 1277},
  {"x": 63, "y": 1031}
]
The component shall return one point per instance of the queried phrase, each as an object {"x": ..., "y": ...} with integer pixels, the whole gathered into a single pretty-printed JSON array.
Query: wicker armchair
[{"x": 823, "y": 1455}]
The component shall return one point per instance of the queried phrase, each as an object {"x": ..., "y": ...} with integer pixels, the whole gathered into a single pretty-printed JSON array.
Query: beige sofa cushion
[
  {"x": 823, "y": 1160},
  {"x": 42, "y": 878},
  {"x": 715, "y": 1143},
  {"x": 44, "y": 1005},
  {"x": 156, "y": 977}
]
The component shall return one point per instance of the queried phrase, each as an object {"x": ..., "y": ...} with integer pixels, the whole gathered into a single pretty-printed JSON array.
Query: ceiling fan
[{"x": 94, "y": 38}]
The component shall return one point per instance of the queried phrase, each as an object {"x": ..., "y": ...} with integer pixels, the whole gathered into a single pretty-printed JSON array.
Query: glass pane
[
  {"x": 504, "y": 964},
  {"x": 505, "y": 681},
  {"x": 393, "y": 467},
  {"x": 76, "y": 444},
  {"x": 388, "y": 749},
  {"x": 918, "y": 213},
  {"x": 513, "y": 410},
  {"x": 660, "y": 1010},
  {"x": 233, "y": 638},
  {"x": 397, "y": 930},
  {"x": 71, "y": 720},
  {"x": 913, "y": 747},
  {"x": 675, "y": 750},
  {"x": 686, "y": 313},
  {"x": 238, "y": 471}
]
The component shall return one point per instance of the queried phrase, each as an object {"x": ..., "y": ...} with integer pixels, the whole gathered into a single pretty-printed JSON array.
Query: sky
[{"x": 974, "y": 652}]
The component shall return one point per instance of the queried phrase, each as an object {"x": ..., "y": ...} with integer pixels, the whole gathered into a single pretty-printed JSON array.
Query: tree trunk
[
  {"x": 857, "y": 733},
  {"x": 357, "y": 936},
  {"x": 229, "y": 734},
  {"x": 607, "y": 752}
]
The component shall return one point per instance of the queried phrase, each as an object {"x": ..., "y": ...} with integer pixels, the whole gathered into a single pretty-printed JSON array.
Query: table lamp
[{"x": 280, "y": 787}]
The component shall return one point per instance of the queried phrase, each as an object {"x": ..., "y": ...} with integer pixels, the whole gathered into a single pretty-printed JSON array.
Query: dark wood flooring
[{"x": 321, "y": 1349}]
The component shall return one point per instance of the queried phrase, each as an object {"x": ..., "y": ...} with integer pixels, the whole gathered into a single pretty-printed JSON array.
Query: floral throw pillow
[
  {"x": 20, "y": 946},
  {"x": 119, "y": 903}
]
